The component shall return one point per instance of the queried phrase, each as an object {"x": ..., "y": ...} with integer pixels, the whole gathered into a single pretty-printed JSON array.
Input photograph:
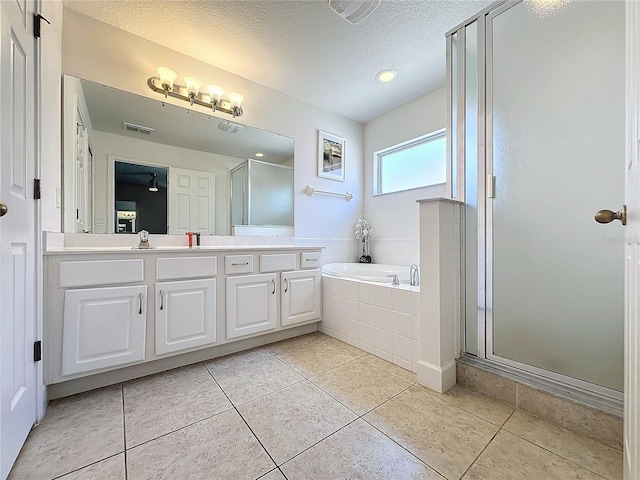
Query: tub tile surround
[
  {"x": 374, "y": 318},
  {"x": 384, "y": 426}
]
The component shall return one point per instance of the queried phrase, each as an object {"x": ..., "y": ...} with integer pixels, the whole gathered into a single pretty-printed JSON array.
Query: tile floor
[{"x": 305, "y": 408}]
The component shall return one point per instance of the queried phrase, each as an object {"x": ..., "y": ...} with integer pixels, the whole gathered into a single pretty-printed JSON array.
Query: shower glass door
[{"x": 555, "y": 139}]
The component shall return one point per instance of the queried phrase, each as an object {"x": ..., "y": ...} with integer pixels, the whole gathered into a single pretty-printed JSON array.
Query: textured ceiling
[{"x": 302, "y": 47}]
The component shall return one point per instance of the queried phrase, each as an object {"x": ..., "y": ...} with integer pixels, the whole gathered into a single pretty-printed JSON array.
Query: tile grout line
[
  {"x": 245, "y": 422},
  {"x": 124, "y": 433},
  {"x": 487, "y": 445}
]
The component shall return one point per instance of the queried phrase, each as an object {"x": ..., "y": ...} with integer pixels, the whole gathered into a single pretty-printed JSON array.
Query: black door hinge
[
  {"x": 37, "y": 351},
  {"x": 37, "y": 22},
  {"x": 37, "y": 190}
]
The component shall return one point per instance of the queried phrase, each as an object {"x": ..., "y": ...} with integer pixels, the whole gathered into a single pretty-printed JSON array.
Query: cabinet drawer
[
  {"x": 186, "y": 267},
  {"x": 277, "y": 261},
  {"x": 238, "y": 264},
  {"x": 310, "y": 259},
  {"x": 101, "y": 272}
]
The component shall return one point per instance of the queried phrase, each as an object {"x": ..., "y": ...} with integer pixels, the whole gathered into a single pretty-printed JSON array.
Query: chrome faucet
[
  {"x": 144, "y": 239},
  {"x": 414, "y": 275},
  {"x": 395, "y": 280}
]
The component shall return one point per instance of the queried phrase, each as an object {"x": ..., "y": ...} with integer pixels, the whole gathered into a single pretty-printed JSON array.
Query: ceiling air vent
[
  {"x": 227, "y": 126},
  {"x": 131, "y": 127},
  {"x": 354, "y": 11}
]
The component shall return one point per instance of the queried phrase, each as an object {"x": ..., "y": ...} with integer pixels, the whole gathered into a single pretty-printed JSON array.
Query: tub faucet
[
  {"x": 395, "y": 280},
  {"x": 414, "y": 275}
]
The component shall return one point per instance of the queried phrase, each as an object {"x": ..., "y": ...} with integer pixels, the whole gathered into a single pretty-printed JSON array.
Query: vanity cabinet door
[
  {"x": 103, "y": 327},
  {"x": 300, "y": 293},
  {"x": 185, "y": 315},
  {"x": 251, "y": 304}
]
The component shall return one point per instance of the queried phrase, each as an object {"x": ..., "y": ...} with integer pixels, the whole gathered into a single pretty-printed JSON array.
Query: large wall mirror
[{"x": 133, "y": 163}]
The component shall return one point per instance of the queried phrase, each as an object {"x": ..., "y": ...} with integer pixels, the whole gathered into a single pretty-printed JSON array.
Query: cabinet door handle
[
  {"x": 239, "y": 264},
  {"x": 286, "y": 285},
  {"x": 310, "y": 259},
  {"x": 161, "y": 299},
  {"x": 274, "y": 286},
  {"x": 140, "y": 297}
]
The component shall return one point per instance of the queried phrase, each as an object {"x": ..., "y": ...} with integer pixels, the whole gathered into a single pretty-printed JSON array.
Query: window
[{"x": 420, "y": 162}]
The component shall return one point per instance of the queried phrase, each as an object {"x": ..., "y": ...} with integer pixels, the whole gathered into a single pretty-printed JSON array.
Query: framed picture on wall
[{"x": 330, "y": 156}]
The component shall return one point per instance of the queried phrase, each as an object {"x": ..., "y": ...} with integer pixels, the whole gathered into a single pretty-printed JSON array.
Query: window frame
[{"x": 414, "y": 142}]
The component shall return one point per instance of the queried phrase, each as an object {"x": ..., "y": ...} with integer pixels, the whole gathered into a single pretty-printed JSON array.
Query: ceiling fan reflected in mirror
[{"x": 153, "y": 183}]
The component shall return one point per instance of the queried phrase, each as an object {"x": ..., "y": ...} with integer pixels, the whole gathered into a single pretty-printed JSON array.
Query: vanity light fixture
[{"x": 165, "y": 83}]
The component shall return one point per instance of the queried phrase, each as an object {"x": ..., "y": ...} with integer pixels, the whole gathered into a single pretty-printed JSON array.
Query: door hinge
[
  {"x": 37, "y": 190},
  {"x": 37, "y": 23},
  {"x": 37, "y": 351}
]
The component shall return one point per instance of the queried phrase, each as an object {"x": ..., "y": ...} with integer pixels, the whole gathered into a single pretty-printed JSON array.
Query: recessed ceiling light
[
  {"x": 386, "y": 75},
  {"x": 258, "y": 154}
]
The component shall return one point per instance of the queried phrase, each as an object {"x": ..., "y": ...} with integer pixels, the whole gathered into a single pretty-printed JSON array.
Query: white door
[
  {"x": 185, "y": 315},
  {"x": 17, "y": 228},
  {"x": 251, "y": 304},
  {"x": 632, "y": 248},
  {"x": 300, "y": 297},
  {"x": 103, "y": 327},
  {"x": 192, "y": 196}
]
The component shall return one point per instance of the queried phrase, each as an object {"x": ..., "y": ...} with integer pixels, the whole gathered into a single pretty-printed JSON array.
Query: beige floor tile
[
  {"x": 140, "y": 385},
  {"x": 599, "y": 458},
  {"x": 359, "y": 385},
  {"x": 445, "y": 437},
  {"x": 312, "y": 358},
  {"x": 508, "y": 457},
  {"x": 357, "y": 451},
  {"x": 598, "y": 425},
  {"x": 249, "y": 381},
  {"x": 220, "y": 447},
  {"x": 488, "y": 383},
  {"x": 488, "y": 408},
  {"x": 237, "y": 360},
  {"x": 274, "y": 475},
  {"x": 339, "y": 345},
  {"x": 112, "y": 469},
  {"x": 75, "y": 432},
  {"x": 390, "y": 368},
  {"x": 163, "y": 410},
  {"x": 289, "y": 344},
  {"x": 293, "y": 419}
]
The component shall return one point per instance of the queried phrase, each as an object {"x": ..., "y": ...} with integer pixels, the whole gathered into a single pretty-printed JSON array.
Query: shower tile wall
[{"x": 383, "y": 321}]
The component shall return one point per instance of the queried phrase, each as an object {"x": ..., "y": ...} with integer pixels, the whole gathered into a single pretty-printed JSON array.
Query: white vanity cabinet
[
  {"x": 300, "y": 293},
  {"x": 185, "y": 309},
  {"x": 103, "y": 327},
  {"x": 117, "y": 314},
  {"x": 251, "y": 304},
  {"x": 185, "y": 315}
]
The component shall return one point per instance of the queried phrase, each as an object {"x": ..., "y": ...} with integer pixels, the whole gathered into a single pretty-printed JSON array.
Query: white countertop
[{"x": 178, "y": 249}]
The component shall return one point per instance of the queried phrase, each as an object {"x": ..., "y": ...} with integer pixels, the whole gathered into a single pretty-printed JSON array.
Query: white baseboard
[{"x": 440, "y": 379}]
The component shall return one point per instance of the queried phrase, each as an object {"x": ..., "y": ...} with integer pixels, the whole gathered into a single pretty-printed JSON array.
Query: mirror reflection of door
[{"x": 140, "y": 198}]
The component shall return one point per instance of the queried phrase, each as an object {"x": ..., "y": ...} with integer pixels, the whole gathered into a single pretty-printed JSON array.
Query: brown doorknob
[{"x": 607, "y": 216}]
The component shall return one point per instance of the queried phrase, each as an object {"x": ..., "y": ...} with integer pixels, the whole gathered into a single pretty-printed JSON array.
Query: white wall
[
  {"x": 143, "y": 151},
  {"x": 395, "y": 217},
  {"x": 50, "y": 101},
  {"x": 101, "y": 53}
]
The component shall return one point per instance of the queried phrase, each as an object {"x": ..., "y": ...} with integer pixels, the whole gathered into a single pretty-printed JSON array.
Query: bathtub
[
  {"x": 367, "y": 272},
  {"x": 362, "y": 308}
]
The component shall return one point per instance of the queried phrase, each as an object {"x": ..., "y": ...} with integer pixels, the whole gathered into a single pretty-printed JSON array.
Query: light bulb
[
  {"x": 386, "y": 75},
  {"x": 193, "y": 86},
  {"x": 215, "y": 92},
  {"x": 167, "y": 77},
  {"x": 235, "y": 99}
]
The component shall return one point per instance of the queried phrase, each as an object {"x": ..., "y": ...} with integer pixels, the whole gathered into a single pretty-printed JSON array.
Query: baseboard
[{"x": 440, "y": 379}]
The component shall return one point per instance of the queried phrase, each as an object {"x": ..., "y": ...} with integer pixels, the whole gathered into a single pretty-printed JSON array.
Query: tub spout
[
  {"x": 414, "y": 275},
  {"x": 395, "y": 280}
]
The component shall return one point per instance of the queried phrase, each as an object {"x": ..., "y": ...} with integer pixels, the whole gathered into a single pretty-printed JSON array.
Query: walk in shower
[{"x": 537, "y": 137}]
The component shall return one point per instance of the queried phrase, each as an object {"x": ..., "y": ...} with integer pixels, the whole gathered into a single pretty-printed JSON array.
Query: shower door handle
[{"x": 607, "y": 216}]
